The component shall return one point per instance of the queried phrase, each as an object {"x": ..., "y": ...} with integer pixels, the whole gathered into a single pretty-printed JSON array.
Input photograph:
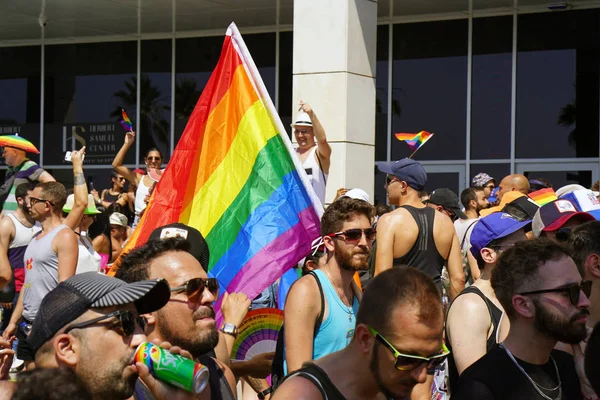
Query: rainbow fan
[{"x": 258, "y": 333}]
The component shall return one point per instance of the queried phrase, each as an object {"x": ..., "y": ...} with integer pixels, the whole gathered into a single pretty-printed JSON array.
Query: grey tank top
[{"x": 41, "y": 272}]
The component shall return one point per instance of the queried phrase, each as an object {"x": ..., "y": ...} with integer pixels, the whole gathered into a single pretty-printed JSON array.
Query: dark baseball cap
[
  {"x": 448, "y": 199},
  {"x": 71, "y": 298},
  {"x": 495, "y": 226},
  {"x": 407, "y": 170},
  {"x": 552, "y": 216},
  {"x": 199, "y": 247}
]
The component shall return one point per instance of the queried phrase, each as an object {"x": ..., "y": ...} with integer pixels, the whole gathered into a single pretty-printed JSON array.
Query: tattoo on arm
[{"x": 79, "y": 179}]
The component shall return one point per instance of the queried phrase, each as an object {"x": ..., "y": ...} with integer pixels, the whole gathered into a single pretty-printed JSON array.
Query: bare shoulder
[
  {"x": 305, "y": 286},
  {"x": 297, "y": 388},
  {"x": 7, "y": 225},
  {"x": 398, "y": 217}
]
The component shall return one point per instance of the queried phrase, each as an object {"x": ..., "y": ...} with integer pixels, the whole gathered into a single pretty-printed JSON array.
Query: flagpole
[{"x": 422, "y": 144}]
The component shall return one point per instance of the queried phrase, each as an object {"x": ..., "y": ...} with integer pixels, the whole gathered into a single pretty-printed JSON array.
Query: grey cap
[{"x": 71, "y": 298}]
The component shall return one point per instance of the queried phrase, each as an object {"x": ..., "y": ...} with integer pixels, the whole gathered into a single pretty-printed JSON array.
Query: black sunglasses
[
  {"x": 126, "y": 321},
  {"x": 354, "y": 235},
  {"x": 153, "y": 158},
  {"x": 195, "y": 287},
  {"x": 574, "y": 291},
  {"x": 34, "y": 200}
]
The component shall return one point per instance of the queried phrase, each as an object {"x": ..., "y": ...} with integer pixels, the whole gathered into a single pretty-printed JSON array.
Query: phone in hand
[{"x": 68, "y": 156}]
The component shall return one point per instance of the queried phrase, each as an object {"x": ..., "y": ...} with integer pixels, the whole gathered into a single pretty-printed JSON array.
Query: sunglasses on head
[
  {"x": 573, "y": 290},
  {"x": 354, "y": 235},
  {"x": 195, "y": 287},
  {"x": 408, "y": 362},
  {"x": 126, "y": 322}
]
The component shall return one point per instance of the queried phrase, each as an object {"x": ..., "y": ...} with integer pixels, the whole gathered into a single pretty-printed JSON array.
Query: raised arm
[
  {"x": 80, "y": 192},
  {"x": 120, "y": 157},
  {"x": 323, "y": 147},
  {"x": 7, "y": 233}
]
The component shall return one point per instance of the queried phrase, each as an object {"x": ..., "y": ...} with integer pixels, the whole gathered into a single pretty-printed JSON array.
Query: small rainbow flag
[
  {"x": 543, "y": 196},
  {"x": 235, "y": 178},
  {"x": 126, "y": 122},
  {"x": 414, "y": 140}
]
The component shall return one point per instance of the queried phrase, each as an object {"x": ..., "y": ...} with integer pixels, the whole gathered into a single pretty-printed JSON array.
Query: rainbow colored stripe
[
  {"x": 126, "y": 122},
  {"x": 258, "y": 329},
  {"x": 414, "y": 140},
  {"x": 232, "y": 176},
  {"x": 18, "y": 142},
  {"x": 543, "y": 196}
]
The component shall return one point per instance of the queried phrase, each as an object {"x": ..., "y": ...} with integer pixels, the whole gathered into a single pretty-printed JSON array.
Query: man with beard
[
  {"x": 188, "y": 318},
  {"x": 546, "y": 301},
  {"x": 92, "y": 324},
  {"x": 320, "y": 309},
  {"x": 398, "y": 337}
]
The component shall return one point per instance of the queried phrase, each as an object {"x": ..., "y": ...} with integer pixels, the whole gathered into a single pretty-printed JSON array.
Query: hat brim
[
  {"x": 301, "y": 124},
  {"x": 459, "y": 213},
  {"x": 385, "y": 167},
  {"x": 584, "y": 216},
  {"x": 148, "y": 296}
]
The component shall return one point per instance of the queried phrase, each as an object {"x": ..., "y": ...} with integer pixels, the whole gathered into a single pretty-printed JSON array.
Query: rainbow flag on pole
[
  {"x": 235, "y": 177},
  {"x": 414, "y": 140}
]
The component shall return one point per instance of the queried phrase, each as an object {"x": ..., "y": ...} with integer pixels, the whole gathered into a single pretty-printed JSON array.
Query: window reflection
[{"x": 430, "y": 87}]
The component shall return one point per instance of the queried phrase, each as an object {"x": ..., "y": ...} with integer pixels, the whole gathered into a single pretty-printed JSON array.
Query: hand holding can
[{"x": 173, "y": 369}]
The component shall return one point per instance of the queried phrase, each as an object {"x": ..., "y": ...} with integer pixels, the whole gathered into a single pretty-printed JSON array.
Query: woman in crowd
[
  {"x": 143, "y": 183},
  {"x": 88, "y": 259}
]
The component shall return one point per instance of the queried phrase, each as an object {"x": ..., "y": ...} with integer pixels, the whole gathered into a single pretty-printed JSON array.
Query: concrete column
[{"x": 334, "y": 71}]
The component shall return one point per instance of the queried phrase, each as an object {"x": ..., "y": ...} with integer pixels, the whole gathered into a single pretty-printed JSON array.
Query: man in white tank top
[{"x": 315, "y": 155}]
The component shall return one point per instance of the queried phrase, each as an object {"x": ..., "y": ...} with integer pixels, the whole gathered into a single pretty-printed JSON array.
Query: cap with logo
[
  {"x": 199, "y": 248},
  {"x": 552, "y": 216},
  {"x": 494, "y": 226},
  {"x": 448, "y": 199},
  {"x": 71, "y": 298},
  {"x": 584, "y": 200},
  {"x": 407, "y": 170}
]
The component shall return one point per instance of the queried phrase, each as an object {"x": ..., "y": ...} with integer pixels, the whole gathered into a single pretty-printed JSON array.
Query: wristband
[{"x": 265, "y": 392}]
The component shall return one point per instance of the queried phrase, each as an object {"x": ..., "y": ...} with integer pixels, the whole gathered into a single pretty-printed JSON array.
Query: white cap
[
  {"x": 568, "y": 189},
  {"x": 357, "y": 193},
  {"x": 117, "y": 218},
  {"x": 303, "y": 119}
]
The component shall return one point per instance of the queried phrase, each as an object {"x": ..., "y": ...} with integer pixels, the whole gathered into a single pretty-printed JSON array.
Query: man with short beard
[
  {"x": 398, "y": 337},
  {"x": 315, "y": 327},
  {"x": 546, "y": 300},
  {"x": 188, "y": 319}
]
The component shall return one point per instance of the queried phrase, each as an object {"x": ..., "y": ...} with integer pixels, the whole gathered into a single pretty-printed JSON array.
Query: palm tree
[{"x": 186, "y": 97}]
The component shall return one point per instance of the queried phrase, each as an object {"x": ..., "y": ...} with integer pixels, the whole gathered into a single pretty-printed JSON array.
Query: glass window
[
  {"x": 496, "y": 171},
  {"x": 491, "y": 88},
  {"x": 196, "y": 59},
  {"x": 557, "y": 84},
  {"x": 86, "y": 87},
  {"x": 20, "y": 86},
  {"x": 155, "y": 103},
  {"x": 381, "y": 94},
  {"x": 559, "y": 179},
  {"x": 430, "y": 87},
  {"x": 438, "y": 180},
  {"x": 286, "y": 60}
]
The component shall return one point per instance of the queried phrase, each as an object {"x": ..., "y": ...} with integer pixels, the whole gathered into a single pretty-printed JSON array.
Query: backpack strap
[
  {"x": 462, "y": 243},
  {"x": 322, "y": 313}
]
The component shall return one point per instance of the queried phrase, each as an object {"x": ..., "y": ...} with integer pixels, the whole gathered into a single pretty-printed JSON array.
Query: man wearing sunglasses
[
  {"x": 188, "y": 318},
  {"x": 415, "y": 234},
  {"x": 556, "y": 219},
  {"x": 93, "y": 324},
  {"x": 476, "y": 322},
  {"x": 546, "y": 301},
  {"x": 316, "y": 327},
  {"x": 398, "y": 337},
  {"x": 483, "y": 181}
]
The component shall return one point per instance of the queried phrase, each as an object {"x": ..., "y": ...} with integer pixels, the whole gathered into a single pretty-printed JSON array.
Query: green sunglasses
[{"x": 408, "y": 362}]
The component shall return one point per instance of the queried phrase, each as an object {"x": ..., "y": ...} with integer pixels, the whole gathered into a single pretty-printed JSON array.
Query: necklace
[
  {"x": 537, "y": 387},
  {"x": 347, "y": 310}
]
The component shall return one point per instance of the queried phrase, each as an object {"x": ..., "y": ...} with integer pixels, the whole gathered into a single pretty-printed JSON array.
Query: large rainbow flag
[
  {"x": 235, "y": 177},
  {"x": 414, "y": 140}
]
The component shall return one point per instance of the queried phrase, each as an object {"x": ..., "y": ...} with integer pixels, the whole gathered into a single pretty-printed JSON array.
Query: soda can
[{"x": 172, "y": 368}]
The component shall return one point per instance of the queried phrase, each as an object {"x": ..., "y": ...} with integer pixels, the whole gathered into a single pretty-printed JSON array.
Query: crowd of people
[{"x": 486, "y": 295}]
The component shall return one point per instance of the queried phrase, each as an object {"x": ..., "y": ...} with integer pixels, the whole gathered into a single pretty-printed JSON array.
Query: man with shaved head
[{"x": 514, "y": 182}]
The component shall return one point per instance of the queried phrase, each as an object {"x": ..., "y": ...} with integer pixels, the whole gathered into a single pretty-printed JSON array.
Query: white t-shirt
[{"x": 461, "y": 226}]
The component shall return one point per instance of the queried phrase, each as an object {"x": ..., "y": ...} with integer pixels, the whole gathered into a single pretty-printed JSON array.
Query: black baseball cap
[
  {"x": 448, "y": 199},
  {"x": 199, "y": 246},
  {"x": 71, "y": 298},
  {"x": 407, "y": 170}
]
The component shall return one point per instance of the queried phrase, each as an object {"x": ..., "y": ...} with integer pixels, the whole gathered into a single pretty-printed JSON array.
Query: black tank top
[
  {"x": 495, "y": 316},
  {"x": 424, "y": 255},
  {"x": 111, "y": 198},
  {"x": 320, "y": 379}
]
